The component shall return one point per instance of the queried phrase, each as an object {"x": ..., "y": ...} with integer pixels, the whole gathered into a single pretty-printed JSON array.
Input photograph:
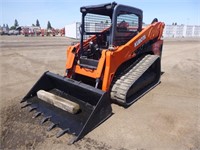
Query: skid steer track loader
[{"x": 116, "y": 61}]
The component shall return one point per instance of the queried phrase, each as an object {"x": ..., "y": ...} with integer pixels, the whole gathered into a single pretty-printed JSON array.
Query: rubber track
[{"x": 123, "y": 83}]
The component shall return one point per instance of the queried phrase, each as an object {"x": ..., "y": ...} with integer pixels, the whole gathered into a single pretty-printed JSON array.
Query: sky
[{"x": 63, "y": 12}]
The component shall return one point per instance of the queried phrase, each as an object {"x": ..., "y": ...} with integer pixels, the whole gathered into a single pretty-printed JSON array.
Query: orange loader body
[{"x": 118, "y": 55}]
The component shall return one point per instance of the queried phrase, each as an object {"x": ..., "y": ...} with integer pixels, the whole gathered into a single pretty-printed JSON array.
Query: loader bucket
[{"x": 95, "y": 106}]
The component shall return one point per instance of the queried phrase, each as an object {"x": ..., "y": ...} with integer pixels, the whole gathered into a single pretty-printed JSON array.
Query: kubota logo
[{"x": 140, "y": 40}]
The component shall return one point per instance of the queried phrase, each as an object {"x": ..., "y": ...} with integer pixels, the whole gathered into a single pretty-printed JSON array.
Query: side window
[
  {"x": 96, "y": 23},
  {"x": 127, "y": 22},
  {"x": 126, "y": 28}
]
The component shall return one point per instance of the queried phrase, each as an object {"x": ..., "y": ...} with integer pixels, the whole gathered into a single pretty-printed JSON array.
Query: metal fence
[
  {"x": 181, "y": 31},
  {"x": 170, "y": 31}
]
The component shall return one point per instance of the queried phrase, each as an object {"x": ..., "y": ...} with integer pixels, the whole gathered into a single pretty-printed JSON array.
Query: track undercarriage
[{"x": 132, "y": 84}]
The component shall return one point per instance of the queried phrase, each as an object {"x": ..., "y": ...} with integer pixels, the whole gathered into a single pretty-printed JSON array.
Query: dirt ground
[{"x": 168, "y": 117}]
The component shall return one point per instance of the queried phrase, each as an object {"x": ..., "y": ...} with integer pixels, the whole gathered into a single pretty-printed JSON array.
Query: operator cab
[{"x": 104, "y": 27}]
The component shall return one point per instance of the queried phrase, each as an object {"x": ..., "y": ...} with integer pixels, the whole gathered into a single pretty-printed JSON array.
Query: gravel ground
[{"x": 168, "y": 117}]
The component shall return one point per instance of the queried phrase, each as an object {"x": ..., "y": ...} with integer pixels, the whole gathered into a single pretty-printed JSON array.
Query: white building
[{"x": 72, "y": 30}]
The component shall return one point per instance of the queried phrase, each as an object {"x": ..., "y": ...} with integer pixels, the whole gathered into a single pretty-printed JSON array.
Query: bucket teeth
[
  {"x": 62, "y": 132},
  {"x": 26, "y": 105},
  {"x": 45, "y": 119},
  {"x": 22, "y": 101},
  {"x": 32, "y": 108},
  {"x": 37, "y": 114},
  {"x": 53, "y": 125},
  {"x": 74, "y": 139}
]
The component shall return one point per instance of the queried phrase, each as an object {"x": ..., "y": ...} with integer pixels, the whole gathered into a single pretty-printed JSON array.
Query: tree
[
  {"x": 33, "y": 25},
  {"x": 37, "y": 23},
  {"x": 49, "y": 25},
  {"x": 7, "y": 28},
  {"x": 12, "y": 28},
  {"x": 16, "y": 23}
]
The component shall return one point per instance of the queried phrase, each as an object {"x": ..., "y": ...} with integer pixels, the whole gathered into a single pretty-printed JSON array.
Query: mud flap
[{"x": 95, "y": 106}]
